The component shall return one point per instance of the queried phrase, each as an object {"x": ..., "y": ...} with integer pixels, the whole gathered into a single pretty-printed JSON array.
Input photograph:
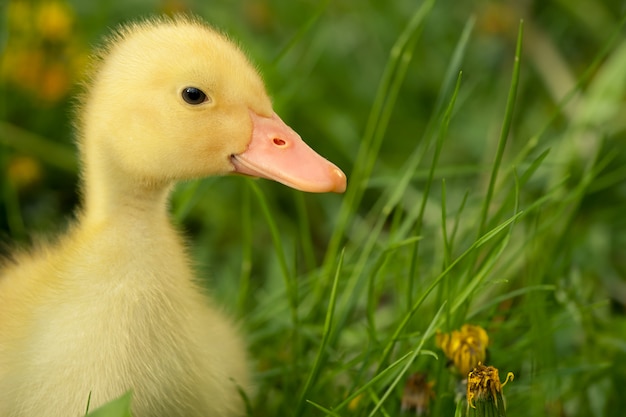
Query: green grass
[{"x": 481, "y": 190}]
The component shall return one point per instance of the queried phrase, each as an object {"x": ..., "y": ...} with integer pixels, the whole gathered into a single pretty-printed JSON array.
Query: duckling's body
[
  {"x": 113, "y": 305},
  {"x": 95, "y": 317}
]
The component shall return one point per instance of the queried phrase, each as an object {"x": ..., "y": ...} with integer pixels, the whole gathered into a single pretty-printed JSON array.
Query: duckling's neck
[{"x": 111, "y": 196}]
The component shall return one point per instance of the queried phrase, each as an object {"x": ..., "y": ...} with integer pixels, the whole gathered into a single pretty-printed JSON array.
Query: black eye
[{"x": 193, "y": 95}]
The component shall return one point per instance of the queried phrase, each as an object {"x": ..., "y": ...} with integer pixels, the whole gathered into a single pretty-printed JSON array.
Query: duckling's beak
[{"x": 278, "y": 153}]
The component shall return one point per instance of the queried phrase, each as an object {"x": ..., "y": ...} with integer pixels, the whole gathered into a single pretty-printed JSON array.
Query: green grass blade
[
  {"x": 447, "y": 247},
  {"x": 14, "y": 218},
  {"x": 320, "y": 358},
  {"x": 452, "y": 73},
  {"x": 326, "y": 411},
  {"x": 306, "y": 237},
  {"x": 387, "y": 93},
  {"x": 302, "y": 31},
  {"x": 443, "y": 132},
  {"x": 510, "y": 295},
  {"x": 51, "y": 153},
  {"x": 380, "y": 375},
  {"x": 489, "y": 263},
  {"x": 504, "y": 134},
  {"x": 119, "y": 407},
  {"x": 246, "y": 251},
  {"x": 187, "y": 196},
  {"x": 418, "y": 303},
  {"x": 434, "y": 323},
  {"x": 290, "y": 285}
]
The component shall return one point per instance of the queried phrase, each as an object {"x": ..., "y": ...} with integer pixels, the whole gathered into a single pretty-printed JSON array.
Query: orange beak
[{"x": 278, "y": 153}]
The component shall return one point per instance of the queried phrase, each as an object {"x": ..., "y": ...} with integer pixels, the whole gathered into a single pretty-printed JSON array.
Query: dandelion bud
[{"x": 484, "y": 392}]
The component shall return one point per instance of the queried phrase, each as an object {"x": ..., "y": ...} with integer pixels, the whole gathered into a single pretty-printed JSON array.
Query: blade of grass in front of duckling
[
  {"x": 120, "y": 407},
  {"x": 322, "y": 352},
  {"x": 88, "y": 403},
  {"x": 246, "y": 400},
  {"x": 393, "y": 75}
]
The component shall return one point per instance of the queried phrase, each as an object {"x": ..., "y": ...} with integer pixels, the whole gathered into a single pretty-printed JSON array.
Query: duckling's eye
[{"x": 193, "y": 95}]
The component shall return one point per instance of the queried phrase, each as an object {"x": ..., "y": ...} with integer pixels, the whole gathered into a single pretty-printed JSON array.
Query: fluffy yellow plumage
[{"x": 113, "y": 305}]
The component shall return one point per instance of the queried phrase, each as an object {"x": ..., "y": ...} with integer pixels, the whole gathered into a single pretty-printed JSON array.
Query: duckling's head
[{"x": 173, "y": 99}]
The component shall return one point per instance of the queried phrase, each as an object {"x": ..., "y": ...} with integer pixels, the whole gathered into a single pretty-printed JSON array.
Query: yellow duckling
[{"x": 113, "y": 304}]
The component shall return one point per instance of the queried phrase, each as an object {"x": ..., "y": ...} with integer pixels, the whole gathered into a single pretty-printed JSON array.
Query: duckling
[{"x": 113, "y": 305}]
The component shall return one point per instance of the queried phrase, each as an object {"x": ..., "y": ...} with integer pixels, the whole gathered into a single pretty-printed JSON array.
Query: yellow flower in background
[
  {"x": 54, "y": 20},
  {"x": 55, "y": 82},
  {"x": 354, "y": 403},
  {"x": 484, "y": 391},
  {"x": 465, "y": 347},
  {"x": 24, "y": 171},
  {"x": 22, "y": 66},
  {"x": 19, "y": 12},
  {"x": 41, "y": 57}
]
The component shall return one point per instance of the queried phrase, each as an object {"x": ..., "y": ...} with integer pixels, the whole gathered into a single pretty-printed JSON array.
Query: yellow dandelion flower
[
  {"x": 24, "y": 171},
  {"x": 172, "y": 7},
  {"x": 54, "y": 20},
  {"x": 465, "y": 347},
  {"x": 354, "y": 403},
  {"x": 22, "y": 67},
  {"x": 55, "y": 82},
  {"x": 484, "y": 392},
  {"x": 19, "y": 12}
]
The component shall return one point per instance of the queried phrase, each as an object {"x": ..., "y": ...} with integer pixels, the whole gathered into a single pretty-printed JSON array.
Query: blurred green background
[{"x": 323, "y": 62}]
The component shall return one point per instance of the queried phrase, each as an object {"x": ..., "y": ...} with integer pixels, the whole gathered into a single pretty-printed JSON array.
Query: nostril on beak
[{"x": 279, "y": 142}]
